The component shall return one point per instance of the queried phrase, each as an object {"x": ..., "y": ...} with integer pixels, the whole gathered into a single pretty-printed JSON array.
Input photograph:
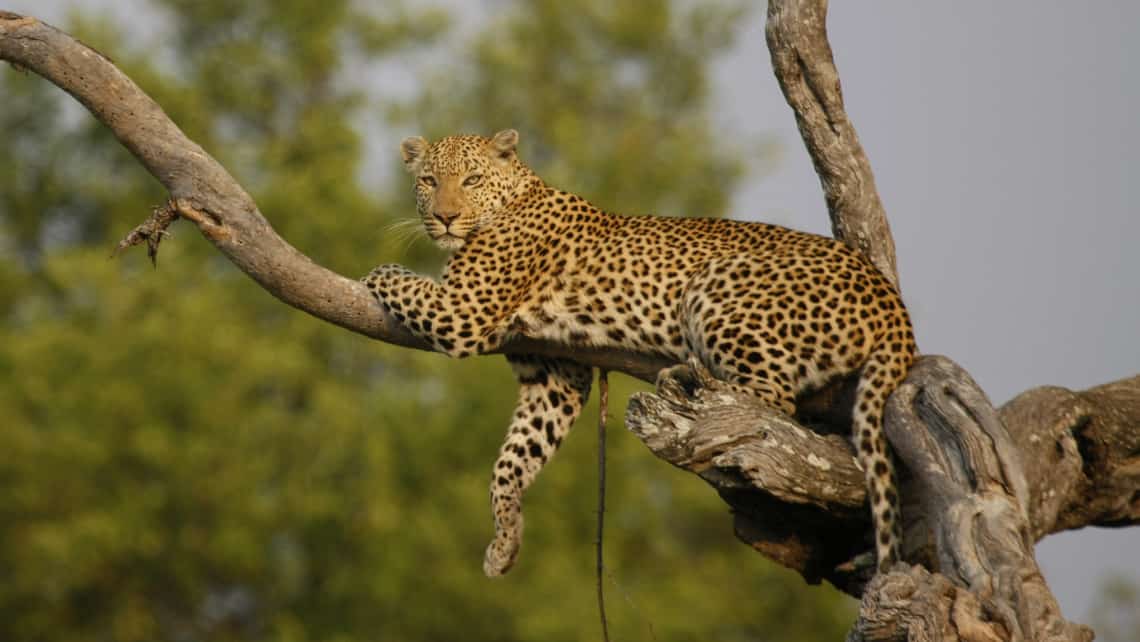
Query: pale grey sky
[{"x": 1006, "y": 146}]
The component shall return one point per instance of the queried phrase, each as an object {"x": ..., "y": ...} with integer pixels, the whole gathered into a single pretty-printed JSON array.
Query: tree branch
[
  {"x": 797, "y": 496},
  {"x": 975, "y": 496},
  {"x": 205, "y": 193},
  {"x": 801, "y": 57},
  {"x": 983, "y": 497},
  {"x": 1087, "y": 444}
]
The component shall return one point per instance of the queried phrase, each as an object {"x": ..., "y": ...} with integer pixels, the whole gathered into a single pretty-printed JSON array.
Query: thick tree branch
[
  {"x": 973, "y": 497},
  {"x": 225, "y": 214},
  {"x": 966, "y": 508},
  {"x": 984, "y": 496},
  {"x": 805, "y": 69},
  {"x": 1088, "y": 445},
  {"x": 797, "y": 495}
]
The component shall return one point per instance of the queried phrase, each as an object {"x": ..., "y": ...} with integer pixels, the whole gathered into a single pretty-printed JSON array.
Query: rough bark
[
  {"x": 975, "y": 494},
  {"x": 797, "y": 494},
  {"x": 1088, "y": 444},
  {"x": 968, "y": 488},
  {"x": 802, "y": 60},
  {"x": 973, "y": 498},
  {"x": 207, "y": 195}
]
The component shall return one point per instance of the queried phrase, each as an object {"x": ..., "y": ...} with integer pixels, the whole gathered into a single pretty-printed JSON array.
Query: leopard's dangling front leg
[{"x": 551, "y": 395}]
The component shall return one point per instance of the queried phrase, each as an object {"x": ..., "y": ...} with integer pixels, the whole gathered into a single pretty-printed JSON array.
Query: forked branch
[
  {"x": 798, "y": 497},
  {"x": 801, "y": 57}
]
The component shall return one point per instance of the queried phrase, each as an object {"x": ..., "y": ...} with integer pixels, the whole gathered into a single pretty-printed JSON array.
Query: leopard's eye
[
  {"x": 472, "y": 180},
  {"x": 429, "y": 181}
]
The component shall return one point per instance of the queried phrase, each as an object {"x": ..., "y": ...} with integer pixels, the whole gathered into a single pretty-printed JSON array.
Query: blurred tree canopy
[{"x": 187, "y": 459}]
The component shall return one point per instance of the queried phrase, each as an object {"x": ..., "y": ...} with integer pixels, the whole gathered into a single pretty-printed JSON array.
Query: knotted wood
[{"x": 979, "y": 488}]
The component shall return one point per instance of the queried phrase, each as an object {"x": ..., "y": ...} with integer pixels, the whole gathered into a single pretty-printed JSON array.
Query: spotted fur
[{"x": 772, "y": 310}]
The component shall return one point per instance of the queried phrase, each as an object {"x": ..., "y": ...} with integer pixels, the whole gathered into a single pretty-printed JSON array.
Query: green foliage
[
  {"x": 620, "y": 88},
  {"x": 187, "y": 459}
]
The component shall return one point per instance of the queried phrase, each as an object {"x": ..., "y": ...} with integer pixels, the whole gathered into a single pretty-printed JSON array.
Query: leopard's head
[{"x": 463, "y": 182}]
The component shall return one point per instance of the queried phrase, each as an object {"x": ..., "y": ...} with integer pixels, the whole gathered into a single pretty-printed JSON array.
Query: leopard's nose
[{"x": 445, "y": 217}]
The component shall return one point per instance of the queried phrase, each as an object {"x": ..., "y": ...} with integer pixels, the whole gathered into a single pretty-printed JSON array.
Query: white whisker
[
  {"x": 402, "y": 224},
  {"x": 403, "y": 233}
]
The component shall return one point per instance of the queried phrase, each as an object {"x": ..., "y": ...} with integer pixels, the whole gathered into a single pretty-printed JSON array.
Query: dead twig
[{"x": 151, "y": 231}]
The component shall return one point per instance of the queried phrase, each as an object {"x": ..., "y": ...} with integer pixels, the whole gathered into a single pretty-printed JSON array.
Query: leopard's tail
[{"x": 881, "y": 374}]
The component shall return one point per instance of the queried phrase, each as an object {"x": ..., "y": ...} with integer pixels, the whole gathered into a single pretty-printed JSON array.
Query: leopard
[{"x": 763, "y": 308}]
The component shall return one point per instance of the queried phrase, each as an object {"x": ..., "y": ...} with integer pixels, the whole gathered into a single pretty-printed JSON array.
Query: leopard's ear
[
  {"x": 503, "y": 144},
  {"x": 414, "y": 149}
]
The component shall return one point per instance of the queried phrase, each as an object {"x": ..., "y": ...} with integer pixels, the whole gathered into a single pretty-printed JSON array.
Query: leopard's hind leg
[
  {"x": 551, "y": 395},
  {"x": 731, "y": 340}
]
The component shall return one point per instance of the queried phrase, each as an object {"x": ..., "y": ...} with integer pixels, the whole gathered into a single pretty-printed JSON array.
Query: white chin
[{"x": 449, "y": 242}]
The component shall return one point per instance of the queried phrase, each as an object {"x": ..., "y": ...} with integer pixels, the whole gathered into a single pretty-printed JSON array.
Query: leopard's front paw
[{"x": 503, "y": 550}]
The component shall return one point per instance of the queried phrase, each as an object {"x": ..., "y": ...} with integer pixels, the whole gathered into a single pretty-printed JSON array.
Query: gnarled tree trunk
[{"x": 979, "y": 486}]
